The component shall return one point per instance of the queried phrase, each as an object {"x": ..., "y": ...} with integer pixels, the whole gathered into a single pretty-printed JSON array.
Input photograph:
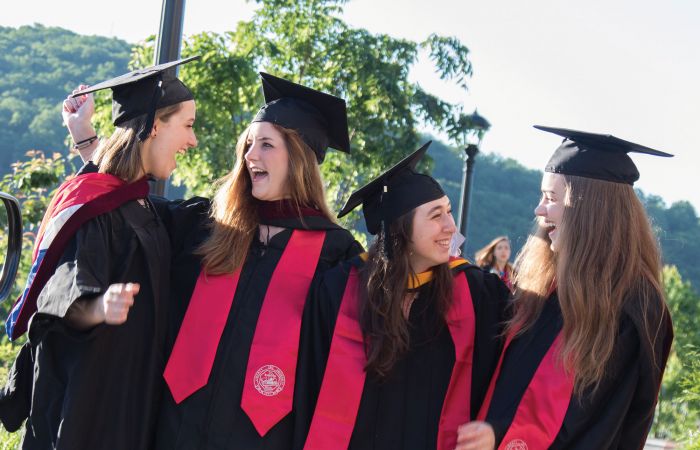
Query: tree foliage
[
  {"x": 678, "y": 412},
  {"x": 306, "y": 42},
  {"x": 38, "y": 66}
]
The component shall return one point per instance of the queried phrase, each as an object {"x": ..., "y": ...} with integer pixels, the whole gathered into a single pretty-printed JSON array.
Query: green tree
[
  {"x": 306, "y": 42},
  {"x": 678, "y": 412}
]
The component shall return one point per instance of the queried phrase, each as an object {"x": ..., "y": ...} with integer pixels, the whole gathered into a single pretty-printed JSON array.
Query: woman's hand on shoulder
[{"x": 475, "y": 436}]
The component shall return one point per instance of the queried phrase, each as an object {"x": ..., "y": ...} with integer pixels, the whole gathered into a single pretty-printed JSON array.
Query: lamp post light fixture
[{"x": 477, "y": 126}]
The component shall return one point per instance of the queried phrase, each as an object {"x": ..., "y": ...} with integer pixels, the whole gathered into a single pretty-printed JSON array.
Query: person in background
[
  {"x": 495, "y": 258},
  {"x": 590, "y": 333}
]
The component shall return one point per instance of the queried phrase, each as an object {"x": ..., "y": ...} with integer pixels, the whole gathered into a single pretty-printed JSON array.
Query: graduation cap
[
  {"x": 599, "y": 156},
  {"x": 394, "y": 193},
  {"x": 320, "y": 119},
  {"x": 144, "y": 91}
]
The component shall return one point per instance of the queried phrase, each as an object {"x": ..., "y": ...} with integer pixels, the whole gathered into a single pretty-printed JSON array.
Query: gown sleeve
[
  {"x": 320, "y": 314},
  {"x": 183, "y": 219},
  {"x": 83, "y": 270},
  {"x": 490, "y": 297},
  {"x": 16, "y": 396}
]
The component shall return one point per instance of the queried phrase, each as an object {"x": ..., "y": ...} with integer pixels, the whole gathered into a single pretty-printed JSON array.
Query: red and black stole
[
  {"x": 542, "y": 408},
  {"x": 270, "y": 375},
  {"x": 343, "y": 381}
]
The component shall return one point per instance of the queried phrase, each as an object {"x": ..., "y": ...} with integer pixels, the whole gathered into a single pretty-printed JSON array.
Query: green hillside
[{"x": 38, "y": 67}]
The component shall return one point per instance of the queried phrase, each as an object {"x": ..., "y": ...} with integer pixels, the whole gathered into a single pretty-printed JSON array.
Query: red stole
[
  {"x": 272, "y": 365},
  {"x": 269, "y": 385},
  {"x": 77, "y": 201},
  {"x": 542, "y": 409},
  {"x": 344, "y": 379}
]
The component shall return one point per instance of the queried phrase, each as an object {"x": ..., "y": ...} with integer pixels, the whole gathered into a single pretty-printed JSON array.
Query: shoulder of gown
[{"x": 184, "y": 219}]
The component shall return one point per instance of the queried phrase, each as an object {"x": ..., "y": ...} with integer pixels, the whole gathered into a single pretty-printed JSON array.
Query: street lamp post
[
  {"x": 168, "y": 49},
  {"x": 467, "y": 177},
  {"x": 478, "y": 125}
]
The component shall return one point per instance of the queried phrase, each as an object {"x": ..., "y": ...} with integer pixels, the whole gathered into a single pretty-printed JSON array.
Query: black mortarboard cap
[
  {"x": 599, "y": 156},
  {"x": 394, "y": 193},
  {"x": 144, "y": 91},
  {"x": 320, "y": 119}
]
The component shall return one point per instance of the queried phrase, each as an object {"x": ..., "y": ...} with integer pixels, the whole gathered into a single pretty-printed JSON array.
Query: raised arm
[{"x": 77, "y": 115}]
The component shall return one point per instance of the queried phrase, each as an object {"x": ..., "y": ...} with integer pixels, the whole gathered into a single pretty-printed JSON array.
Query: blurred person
[{"x": 495, "y": 258}]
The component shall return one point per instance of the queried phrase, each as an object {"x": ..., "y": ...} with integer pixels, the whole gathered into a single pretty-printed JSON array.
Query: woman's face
[
  {"x": 502, "y": 251},
  {"x": 169, "y": 139},
  {"x": 267, "y": 161},
  {"x": 433, "y": 227},
  {"x": 551, "y": 208}
]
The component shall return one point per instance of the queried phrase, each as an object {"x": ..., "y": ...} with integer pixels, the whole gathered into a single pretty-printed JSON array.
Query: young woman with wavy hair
[
  {"x": 590, "y": 332},
  {"x": 411, "y": 334},
  {"x": 494, "y": 258},
  {"x": 241, "y": 272}
]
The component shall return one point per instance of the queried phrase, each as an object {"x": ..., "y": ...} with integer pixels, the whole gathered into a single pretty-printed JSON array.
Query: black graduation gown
[
  {"x": 100, "y": 388},
  {"x": 212, "y": 418},
  {"x": 403, "y": 410},
  {"x": 616, "y": 416}
]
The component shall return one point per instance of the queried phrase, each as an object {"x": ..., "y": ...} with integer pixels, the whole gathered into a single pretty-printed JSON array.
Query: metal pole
[
  {"x": 168, "y": 43},
  {"x": 467, "y": 178}
]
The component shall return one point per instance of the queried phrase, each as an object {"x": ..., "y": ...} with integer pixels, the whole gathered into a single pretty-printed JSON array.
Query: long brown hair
[
  {"x": 385, "y": 287},
  {"x": 595, "y": 276},
  {"x": 234, "y": 209},
  {"x": 486, "y": 256},
  {"x": 120, "y": 154}
]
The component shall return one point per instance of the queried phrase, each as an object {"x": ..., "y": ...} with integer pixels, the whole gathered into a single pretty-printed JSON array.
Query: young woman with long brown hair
[
  {"x": 495, "y": 258},
  {"x": 410, "y": 333},
  {"x": 97, "y": 291},
  {"x": 590, "y": 332},
  {"x": 241, "y": 272}
]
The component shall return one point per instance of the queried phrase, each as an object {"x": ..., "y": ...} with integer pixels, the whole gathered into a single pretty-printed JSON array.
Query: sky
[{"x": 630, "y": 68}]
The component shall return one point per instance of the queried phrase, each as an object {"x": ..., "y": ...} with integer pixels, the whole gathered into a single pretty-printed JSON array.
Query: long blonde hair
[
  {"x": 234, "y": 209},
  {"x": 120, "y": 154},
  {"x": 606, "y": 255}
]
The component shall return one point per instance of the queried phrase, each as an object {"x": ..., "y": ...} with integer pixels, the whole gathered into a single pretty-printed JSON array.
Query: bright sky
[{"x": 626, "y": 67}]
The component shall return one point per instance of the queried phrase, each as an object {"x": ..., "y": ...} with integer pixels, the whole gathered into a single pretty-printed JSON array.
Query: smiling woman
[
  {"x": 232, "y": 374},
  {"x": 97, "y": 297},
  {"x": 400, "y": 325},
  {"x": 267, "y": 161},
  {"x": 590, "y": 333}
]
